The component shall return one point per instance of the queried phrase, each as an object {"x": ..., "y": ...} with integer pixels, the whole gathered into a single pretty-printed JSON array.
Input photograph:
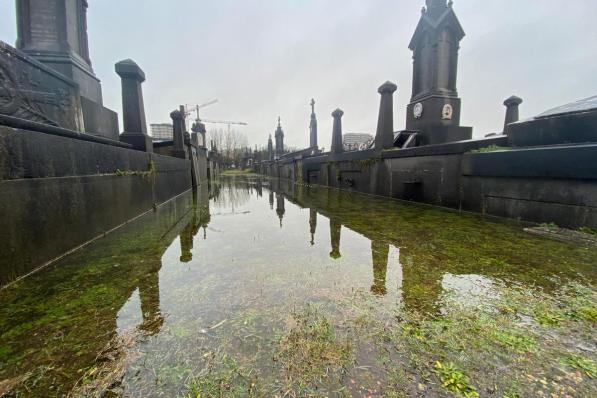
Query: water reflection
[
  {"x": 280, "y": 207},
  {"x": 400, "y": 255},
  {"x": 312, "y": 224},
  {"x": 379, "y": 252},
  {"x": 335, "y": 230}
]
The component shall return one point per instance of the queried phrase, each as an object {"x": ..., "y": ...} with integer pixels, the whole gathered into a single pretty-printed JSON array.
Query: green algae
[{"x": 257, "y": 307}]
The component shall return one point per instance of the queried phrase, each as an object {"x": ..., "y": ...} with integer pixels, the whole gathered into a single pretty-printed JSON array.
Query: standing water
[{"x": 263, "y": 288}]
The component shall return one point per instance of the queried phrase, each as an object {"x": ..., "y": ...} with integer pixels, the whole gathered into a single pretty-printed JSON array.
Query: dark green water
[{"x": 227, "y": 293}]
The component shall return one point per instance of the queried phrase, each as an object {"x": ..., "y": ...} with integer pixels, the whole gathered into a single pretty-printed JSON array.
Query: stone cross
[
  {"x": 384, "y": 137},
  {"x": 337, "y": 146}
]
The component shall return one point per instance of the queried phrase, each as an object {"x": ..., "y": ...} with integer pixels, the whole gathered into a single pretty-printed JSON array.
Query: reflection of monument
[
  {"x": 280, "y": 207},
  {"x": 201, "y": 218},
  {"x": 379, "y": 255},
  {"x": 312, "y": 224},
  {"x": 149, "y": 294},
  {"x": 271, "y": 200},
  {"x": 335, "y": 228}
]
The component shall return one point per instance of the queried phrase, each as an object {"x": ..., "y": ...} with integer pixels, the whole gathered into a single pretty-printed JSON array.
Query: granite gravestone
[{"x": 434, "y": 109}]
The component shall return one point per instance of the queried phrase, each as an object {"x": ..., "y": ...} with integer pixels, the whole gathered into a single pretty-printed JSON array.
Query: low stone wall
[
  {"x": 57, "y": 193},
  {"x": 543, "y": 184}
]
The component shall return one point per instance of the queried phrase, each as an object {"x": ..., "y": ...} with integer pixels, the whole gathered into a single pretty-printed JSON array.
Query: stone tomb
[{"x": 567, "y": 124}]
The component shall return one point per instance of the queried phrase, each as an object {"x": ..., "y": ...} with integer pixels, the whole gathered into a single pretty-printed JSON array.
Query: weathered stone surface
[
  {"x": 52, "y": 186},
  {"x": 32, "y": 91},
  {"x": 54, "y": 32}
]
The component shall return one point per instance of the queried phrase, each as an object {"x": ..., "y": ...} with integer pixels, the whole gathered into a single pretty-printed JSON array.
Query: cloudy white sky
[{"x": 264, "y": 58}]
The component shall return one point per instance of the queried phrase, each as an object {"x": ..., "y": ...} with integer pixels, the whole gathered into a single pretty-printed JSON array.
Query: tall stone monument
[
  {"x": 54, "y": 32},
  {"x": 279, "y": 139},
  {"x": 434, "y": 109},
  {"x": 270, "y": 149},
  {"x": 313, "y": 127}
]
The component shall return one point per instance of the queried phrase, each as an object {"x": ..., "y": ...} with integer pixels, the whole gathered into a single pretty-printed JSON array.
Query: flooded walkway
[{"x": 262, "y": 288}]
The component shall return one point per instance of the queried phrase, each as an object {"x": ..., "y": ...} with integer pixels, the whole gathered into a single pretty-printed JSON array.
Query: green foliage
[
  {"x": 586, "y": 365},
  {"x": 454, "y": 380},
  {"x": 149, "y": 173},
  {"x": 311, "y": 349},
  {"x": 588, "y": 230}
]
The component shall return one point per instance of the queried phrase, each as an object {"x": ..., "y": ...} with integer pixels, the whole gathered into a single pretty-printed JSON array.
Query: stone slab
[
  {"x": 575, "y": 162},
  {"x": 583, "y": 105}
]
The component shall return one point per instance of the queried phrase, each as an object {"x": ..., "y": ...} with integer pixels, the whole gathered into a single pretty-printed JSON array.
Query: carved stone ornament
[
  {"x": 18, "y": 103},
  {"x": 418, "y": 110},
  {"x": 447, "y": 112}
]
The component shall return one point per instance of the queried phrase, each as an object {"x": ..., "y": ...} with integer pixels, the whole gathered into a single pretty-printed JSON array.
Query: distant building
[
  {"x": 162, "y": 132},
  {"x": 356, "y": 141}
]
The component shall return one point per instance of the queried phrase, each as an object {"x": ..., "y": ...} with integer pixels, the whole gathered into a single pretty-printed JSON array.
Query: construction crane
[
  {"x": 188, "y": 109},
  {"x": 225, "y": 122}
]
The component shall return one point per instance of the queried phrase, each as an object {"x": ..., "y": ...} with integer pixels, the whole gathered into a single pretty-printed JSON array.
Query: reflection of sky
[{"x": 467, "y": 290}]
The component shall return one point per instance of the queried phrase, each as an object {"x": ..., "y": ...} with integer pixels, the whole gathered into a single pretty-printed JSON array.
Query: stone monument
[
  {"x": 54, "y": 32},
  {"x": 434, "y": 109},
  {"x": 313, "y": 127},
  {"x": 270, "y": 149},
  {"x": 279, "y": 134}
]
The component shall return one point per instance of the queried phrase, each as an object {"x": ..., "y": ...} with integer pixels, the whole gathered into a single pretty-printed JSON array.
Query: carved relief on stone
[
  {"x": 22, "y": 103},
  {"x": 447, "y": 112}
]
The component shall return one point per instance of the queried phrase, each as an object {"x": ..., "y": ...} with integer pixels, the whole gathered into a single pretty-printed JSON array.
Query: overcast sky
[{"x": 264, "y": 58}]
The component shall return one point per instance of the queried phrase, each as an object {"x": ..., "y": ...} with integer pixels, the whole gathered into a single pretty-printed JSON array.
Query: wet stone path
[{"x": 262, "y": 288}]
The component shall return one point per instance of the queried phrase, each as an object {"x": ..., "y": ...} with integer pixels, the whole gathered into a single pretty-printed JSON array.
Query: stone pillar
[
  {"x": 512, "y": 114},
  {"x": 384, "y": 137},
  {"x": 337, "y": 146},
  {"x": 133, "y": 109},
  {"x": 178, "y": 134}
]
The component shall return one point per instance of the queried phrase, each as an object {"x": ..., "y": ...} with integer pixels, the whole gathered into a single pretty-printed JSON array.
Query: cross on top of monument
[
  {"x": 279, "y": 121},
  {"x": 312, "y": 105}
]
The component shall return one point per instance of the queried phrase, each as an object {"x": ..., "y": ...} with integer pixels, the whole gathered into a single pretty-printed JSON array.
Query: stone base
[
  {"x": 433, "y": 135},
  {"x": 99, "y": 120},
  {"x": 139, "y": 141}
]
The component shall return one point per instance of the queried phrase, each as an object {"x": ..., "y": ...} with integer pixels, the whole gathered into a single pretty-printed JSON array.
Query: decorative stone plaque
[
  {"x": 447, "y": 112},
  {"x": 418, "y": 110}
]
